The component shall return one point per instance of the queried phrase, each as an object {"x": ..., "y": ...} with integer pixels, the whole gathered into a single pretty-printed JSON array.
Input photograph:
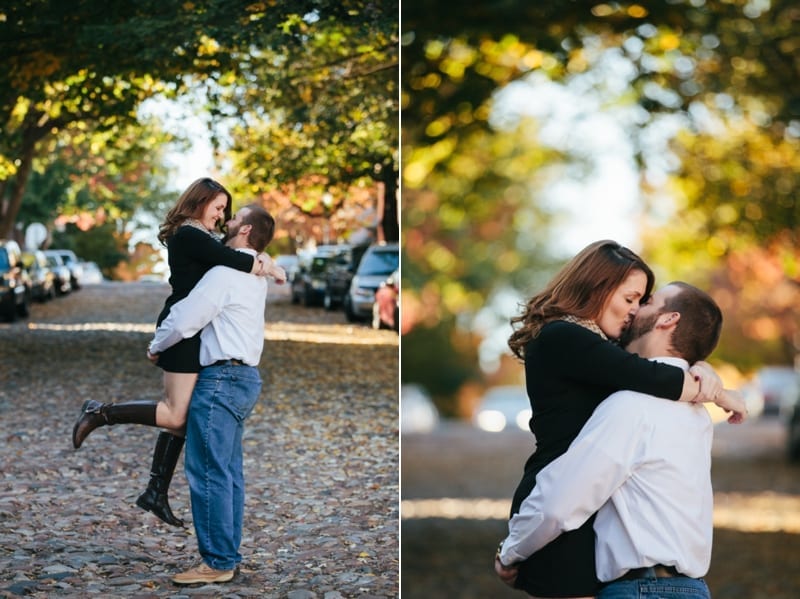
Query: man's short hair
[
  {"x": 700, "y": 325},
  {"x": 262, "y": 226}
]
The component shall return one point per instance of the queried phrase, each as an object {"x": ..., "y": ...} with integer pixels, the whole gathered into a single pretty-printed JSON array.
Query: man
[
  {"x": 643, "y": 464},
  {"x": 228, "y": 306}
]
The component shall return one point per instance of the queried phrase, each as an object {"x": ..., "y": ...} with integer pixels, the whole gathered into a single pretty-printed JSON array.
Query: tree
[
  {"x": 93, "y": 72},
  {"x": 329, "y": 110},
  {"x": 725, "y": 63}
]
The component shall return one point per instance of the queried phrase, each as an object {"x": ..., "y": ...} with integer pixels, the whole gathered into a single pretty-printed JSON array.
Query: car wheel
[
  {"x": 308, "y": 297},
  {"x": 24, "y": 308},
  {"x": 327, "y": 301},
  {"x": 9, "y": 311},
  {"x": 794, "y": 436},
  {"x": 348, "y": 310}
]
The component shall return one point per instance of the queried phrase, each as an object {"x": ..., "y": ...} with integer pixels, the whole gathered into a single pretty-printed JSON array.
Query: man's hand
[
  {"x": 507, "y": 575},
  {"x": 733, "y": 403}
]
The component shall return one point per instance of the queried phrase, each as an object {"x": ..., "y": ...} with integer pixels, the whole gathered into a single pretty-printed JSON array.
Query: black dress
[
  {"x": 192, "y": 252},
  {"x": 569, "y": 370}
]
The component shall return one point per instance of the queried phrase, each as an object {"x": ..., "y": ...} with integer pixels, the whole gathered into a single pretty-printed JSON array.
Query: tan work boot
[{"x": 202, "y": 573}]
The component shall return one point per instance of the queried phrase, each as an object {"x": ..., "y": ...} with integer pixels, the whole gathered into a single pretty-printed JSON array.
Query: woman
[
  {"x": 566, "y": 338},
  {"x": 193, "y": 249}
]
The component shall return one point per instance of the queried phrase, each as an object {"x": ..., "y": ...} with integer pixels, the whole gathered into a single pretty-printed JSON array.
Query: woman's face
[
  {"x": 623, "y": 304},
  {"x": 214, "y": 211}
]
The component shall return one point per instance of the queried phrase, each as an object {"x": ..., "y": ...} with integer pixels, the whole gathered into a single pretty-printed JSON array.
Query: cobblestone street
[{"x": 321, "y": 457}]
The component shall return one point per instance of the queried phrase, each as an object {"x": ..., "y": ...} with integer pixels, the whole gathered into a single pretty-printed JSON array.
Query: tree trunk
[
  {"x": 389, "y": 221},
  {"x": 9, "y": 217}
]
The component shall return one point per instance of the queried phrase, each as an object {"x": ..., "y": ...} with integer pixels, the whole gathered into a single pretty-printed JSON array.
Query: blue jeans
[
  {"x": 679, "y": 587},
  {"x": 223, "y": 398}
]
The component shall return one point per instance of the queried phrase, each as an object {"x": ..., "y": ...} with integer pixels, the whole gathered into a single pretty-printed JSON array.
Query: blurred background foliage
[
  {"x": 707, "y": 93},
  {"x": 299, "y": 101}
]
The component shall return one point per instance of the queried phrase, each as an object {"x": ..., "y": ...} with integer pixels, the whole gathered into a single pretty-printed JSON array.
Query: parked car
[
  {"x": 385, "y": 310},
  {"x": 753, "y": 399},
  {"x": 339, "y": 274},
  {"x": 418, "y": 414},
  {"x": 781, "y": 388},
  {"x": 308, "y": 284},
  {"x": 379, "y": 261},
  {"x": 289, "y": 263},
  {"x": 14, "y": 282},
  {"x": 72, "y": 262},
  {"x": 793, "y": 431},
  {"x": 61, "y": 271},
  {"x": 153, "y": 278},
  {"x": 780, "y": 385},
  {"x": 43, "y": 285},
  {"x": 91, "y": 274},
  {"x": 503, "y": 408}
]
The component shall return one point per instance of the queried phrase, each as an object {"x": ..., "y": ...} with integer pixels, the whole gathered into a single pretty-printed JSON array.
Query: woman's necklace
[
  {"x": 193, "y": 222},
  {"x": 585, "y": 323}
]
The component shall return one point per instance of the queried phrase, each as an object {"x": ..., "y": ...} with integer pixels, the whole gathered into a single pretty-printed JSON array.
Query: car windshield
[
  {"x": 318, "y": 264},
  {"x": 379, "y": 263}
]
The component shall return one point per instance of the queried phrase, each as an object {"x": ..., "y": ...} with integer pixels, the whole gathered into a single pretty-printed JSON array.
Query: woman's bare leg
[{"x": 171, "y": 412}]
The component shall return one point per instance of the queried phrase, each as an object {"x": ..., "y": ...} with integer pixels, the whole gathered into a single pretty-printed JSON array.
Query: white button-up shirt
[
  {"x": 644, "y": 465},
  {"x": 228, "y": 305}
]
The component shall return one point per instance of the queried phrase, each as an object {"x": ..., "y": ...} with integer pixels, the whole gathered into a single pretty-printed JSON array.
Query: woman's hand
[
  {"x": 733, "y": 403},
  {"x": 152, "y": 357},
  {"x": 277, "y": 273},
  {"x": 266, "y": 267},
  {"x": 262, "y": 265},
  {"x": 710, "y": 383}
]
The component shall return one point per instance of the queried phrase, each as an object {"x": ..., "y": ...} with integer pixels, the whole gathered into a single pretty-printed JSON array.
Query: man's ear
[
  {"x": 245, "y": 230},
  {"x": 668, "y": 319}
]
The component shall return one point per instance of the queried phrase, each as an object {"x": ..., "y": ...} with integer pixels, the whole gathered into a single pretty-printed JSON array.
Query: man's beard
[
  {"x": 230, "y": 234},
  {"x": 639, "y": 326}
]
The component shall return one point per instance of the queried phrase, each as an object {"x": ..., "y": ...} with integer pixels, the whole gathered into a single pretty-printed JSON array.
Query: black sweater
[
  {"x": 569, "y": 370},
  {"x": 192, "y": 253}
]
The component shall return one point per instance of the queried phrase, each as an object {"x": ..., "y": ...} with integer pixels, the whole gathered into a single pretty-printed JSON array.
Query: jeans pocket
[{"x": 243, "y": 393}]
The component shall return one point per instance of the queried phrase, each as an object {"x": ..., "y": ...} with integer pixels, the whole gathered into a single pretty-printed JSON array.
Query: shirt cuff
[{"x": 508, "y": 557}]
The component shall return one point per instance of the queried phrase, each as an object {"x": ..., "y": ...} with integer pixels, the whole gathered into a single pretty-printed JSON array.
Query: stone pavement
[{"x": 321, "y": 458}]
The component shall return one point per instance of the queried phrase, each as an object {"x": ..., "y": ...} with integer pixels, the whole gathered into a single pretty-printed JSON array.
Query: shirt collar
[
  {"x": 672, "y": 360},
  {"x": 250, "y": 251}
]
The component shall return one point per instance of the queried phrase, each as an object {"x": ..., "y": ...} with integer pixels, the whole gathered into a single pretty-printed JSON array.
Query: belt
[
  {"x": 655, "y": 571},
  {"x": 228, "y": 363}
]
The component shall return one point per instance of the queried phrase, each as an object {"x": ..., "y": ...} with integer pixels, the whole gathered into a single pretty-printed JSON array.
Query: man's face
[
  {"x": 645, "y": 319},
  {"x": 235, "y": 224}
]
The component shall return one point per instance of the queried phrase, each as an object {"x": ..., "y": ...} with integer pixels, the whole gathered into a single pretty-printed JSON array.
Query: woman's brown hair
[
  {"x": 580, "y": 289},
  {"x": 191, "y": 205}
]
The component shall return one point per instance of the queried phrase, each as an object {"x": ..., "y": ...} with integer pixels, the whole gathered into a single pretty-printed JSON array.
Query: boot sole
[{"x": 226, "y": 577}]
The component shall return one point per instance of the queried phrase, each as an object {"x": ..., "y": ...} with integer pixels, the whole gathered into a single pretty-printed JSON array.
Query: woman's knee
[{"x": 170, "y": 418}]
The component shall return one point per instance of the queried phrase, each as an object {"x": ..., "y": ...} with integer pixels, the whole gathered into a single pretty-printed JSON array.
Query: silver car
[{"x": 379, "y": 261}]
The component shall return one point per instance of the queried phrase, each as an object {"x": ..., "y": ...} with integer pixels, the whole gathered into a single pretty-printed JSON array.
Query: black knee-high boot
[
  {"x": 165, "y": 458},
  {"x": 95, "y": 414}
]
